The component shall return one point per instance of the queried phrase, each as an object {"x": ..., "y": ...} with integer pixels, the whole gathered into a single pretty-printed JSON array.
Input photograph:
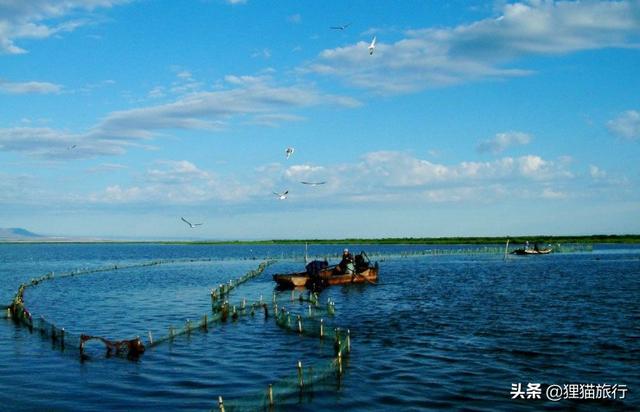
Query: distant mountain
[{"x": 17, "y": 233}]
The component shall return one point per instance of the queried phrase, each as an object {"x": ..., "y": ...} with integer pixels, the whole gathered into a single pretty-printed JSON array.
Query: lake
[{"x": 452, "y": 330}]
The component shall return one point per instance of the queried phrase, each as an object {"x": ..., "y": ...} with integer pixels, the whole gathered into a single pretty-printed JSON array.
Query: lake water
[{"x": 450, "y": 331}]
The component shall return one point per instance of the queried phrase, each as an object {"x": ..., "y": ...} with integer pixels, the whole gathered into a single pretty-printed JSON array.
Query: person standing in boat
[{"x": 346, "y": 265}]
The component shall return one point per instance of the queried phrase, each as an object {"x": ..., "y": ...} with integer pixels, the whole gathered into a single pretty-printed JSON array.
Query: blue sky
[{"x": 470, "y": 118}]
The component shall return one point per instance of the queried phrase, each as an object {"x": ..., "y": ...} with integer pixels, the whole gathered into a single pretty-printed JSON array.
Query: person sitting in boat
[{"x": 346, "y": 265}]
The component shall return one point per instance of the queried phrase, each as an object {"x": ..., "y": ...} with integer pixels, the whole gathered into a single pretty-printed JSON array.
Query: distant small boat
[
  {"x": 319, "y": 274},
  {"x": 531, "y": 251}
]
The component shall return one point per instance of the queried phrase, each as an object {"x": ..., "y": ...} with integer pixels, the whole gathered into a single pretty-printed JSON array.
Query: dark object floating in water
[
  {"x": 526, "y": 250},
  {"x": 531, "y": 251},
  {"x": 319, "y": 274}
]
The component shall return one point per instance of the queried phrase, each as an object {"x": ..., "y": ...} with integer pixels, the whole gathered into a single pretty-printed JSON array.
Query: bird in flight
[
  {"x": 313, "y": 183},
  {"x": 72, "y": 147},
  {"x": 191, "y": 225},
  {"x": 282, "y": 195},
  {"x": 344, "y": 26},
  {"x": 372, "y": 46},
  {"x": 289, "y": 151}
]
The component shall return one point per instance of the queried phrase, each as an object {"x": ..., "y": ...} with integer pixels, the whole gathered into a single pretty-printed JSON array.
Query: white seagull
[
  {"x": 313, "y": 183},
  {"x": 282, "y": 195},
  {"x": 372, "y": 46},
  {"x": 191, "y": 225},
  {"x": 289, "y": 151},
  {"x": 344, "y": 26}
]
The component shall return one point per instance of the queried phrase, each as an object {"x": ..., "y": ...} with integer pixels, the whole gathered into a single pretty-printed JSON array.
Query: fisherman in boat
[{"x": 346, "y": 265}]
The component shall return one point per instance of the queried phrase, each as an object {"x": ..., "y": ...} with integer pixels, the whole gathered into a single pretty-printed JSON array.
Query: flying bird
[
  {"x": 372, "y": 46},
  {"x": 72, "y": 147},
  {"x": 282, "y": 195},
  {"x": 289, "y": 151},
  {"x": 191, "y": 225},
  {"x": 344, "y": 26},
  {"x": 313, "y": 183}
]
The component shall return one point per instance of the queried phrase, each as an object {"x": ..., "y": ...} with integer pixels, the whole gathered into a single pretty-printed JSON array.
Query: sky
[{"x": 470, "y": 118}]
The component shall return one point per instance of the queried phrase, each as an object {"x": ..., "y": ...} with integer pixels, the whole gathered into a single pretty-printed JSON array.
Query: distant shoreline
[{"x": 473, "y": 240}]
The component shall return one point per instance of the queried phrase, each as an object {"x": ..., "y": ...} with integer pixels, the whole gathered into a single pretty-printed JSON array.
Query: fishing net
[
  {"x": 295, "y": 313},
  {"x": 132, "y": 348},
  {"x": 306, "y": 317},
  {"x": 460, "y": 250}
]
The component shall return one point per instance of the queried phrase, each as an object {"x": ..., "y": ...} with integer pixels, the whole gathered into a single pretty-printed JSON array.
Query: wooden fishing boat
[{"x": 327, "y": 276}]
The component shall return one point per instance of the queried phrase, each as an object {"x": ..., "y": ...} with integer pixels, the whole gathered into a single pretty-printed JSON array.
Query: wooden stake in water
[
  {"x": 299, "y": 324},
  {"x": 321, "y": 328},
  {"x": 300, "y": 380},
  {"x": 339, "y": 363},
  {"x": 150, "y": 338},
  {"x": 220, "y": 404},
  {"x": 62, "y": 338},
  {"x": 205, "y": 325},
  {"x": 270, "y": 394},
  {"x": 348, "y": 341},
  {"x": 309, "y": 309}
]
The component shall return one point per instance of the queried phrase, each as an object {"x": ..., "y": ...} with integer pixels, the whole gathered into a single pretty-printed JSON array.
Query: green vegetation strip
[{"x": 452, "y": 240}]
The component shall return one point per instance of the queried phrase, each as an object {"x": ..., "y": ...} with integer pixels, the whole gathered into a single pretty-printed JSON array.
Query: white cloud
[
  {"x": 548, "y": 193},
  {"x": 383, "y": 177},
  {"x": 274, "y": 119},
  {"x": 178, "y": 172},
  {"x": 236, "y": 1},
  {"x": 295, "y": 19},
  {"x": 501, "y": 141},
  {"x": 264, "y": 53},
  {"x": 51, "y": 143},
  {"x": 32, "y": 19},
  {"x": 18, "y": 188},
  {"x": 626, "y": 125},
  {"x": 184, "y": 74},
  {"x": 390, "y": 176},
  {"x": 156, "y": 92},
  {"x": 484, "y": 49},
  {"x": 255, "y": 98},
  {"x": 29, "y": 87},
  {"x": 107, "y": 167},
  {"x": 177, "y": 182},
  {"x": 596, "y": 173}
]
